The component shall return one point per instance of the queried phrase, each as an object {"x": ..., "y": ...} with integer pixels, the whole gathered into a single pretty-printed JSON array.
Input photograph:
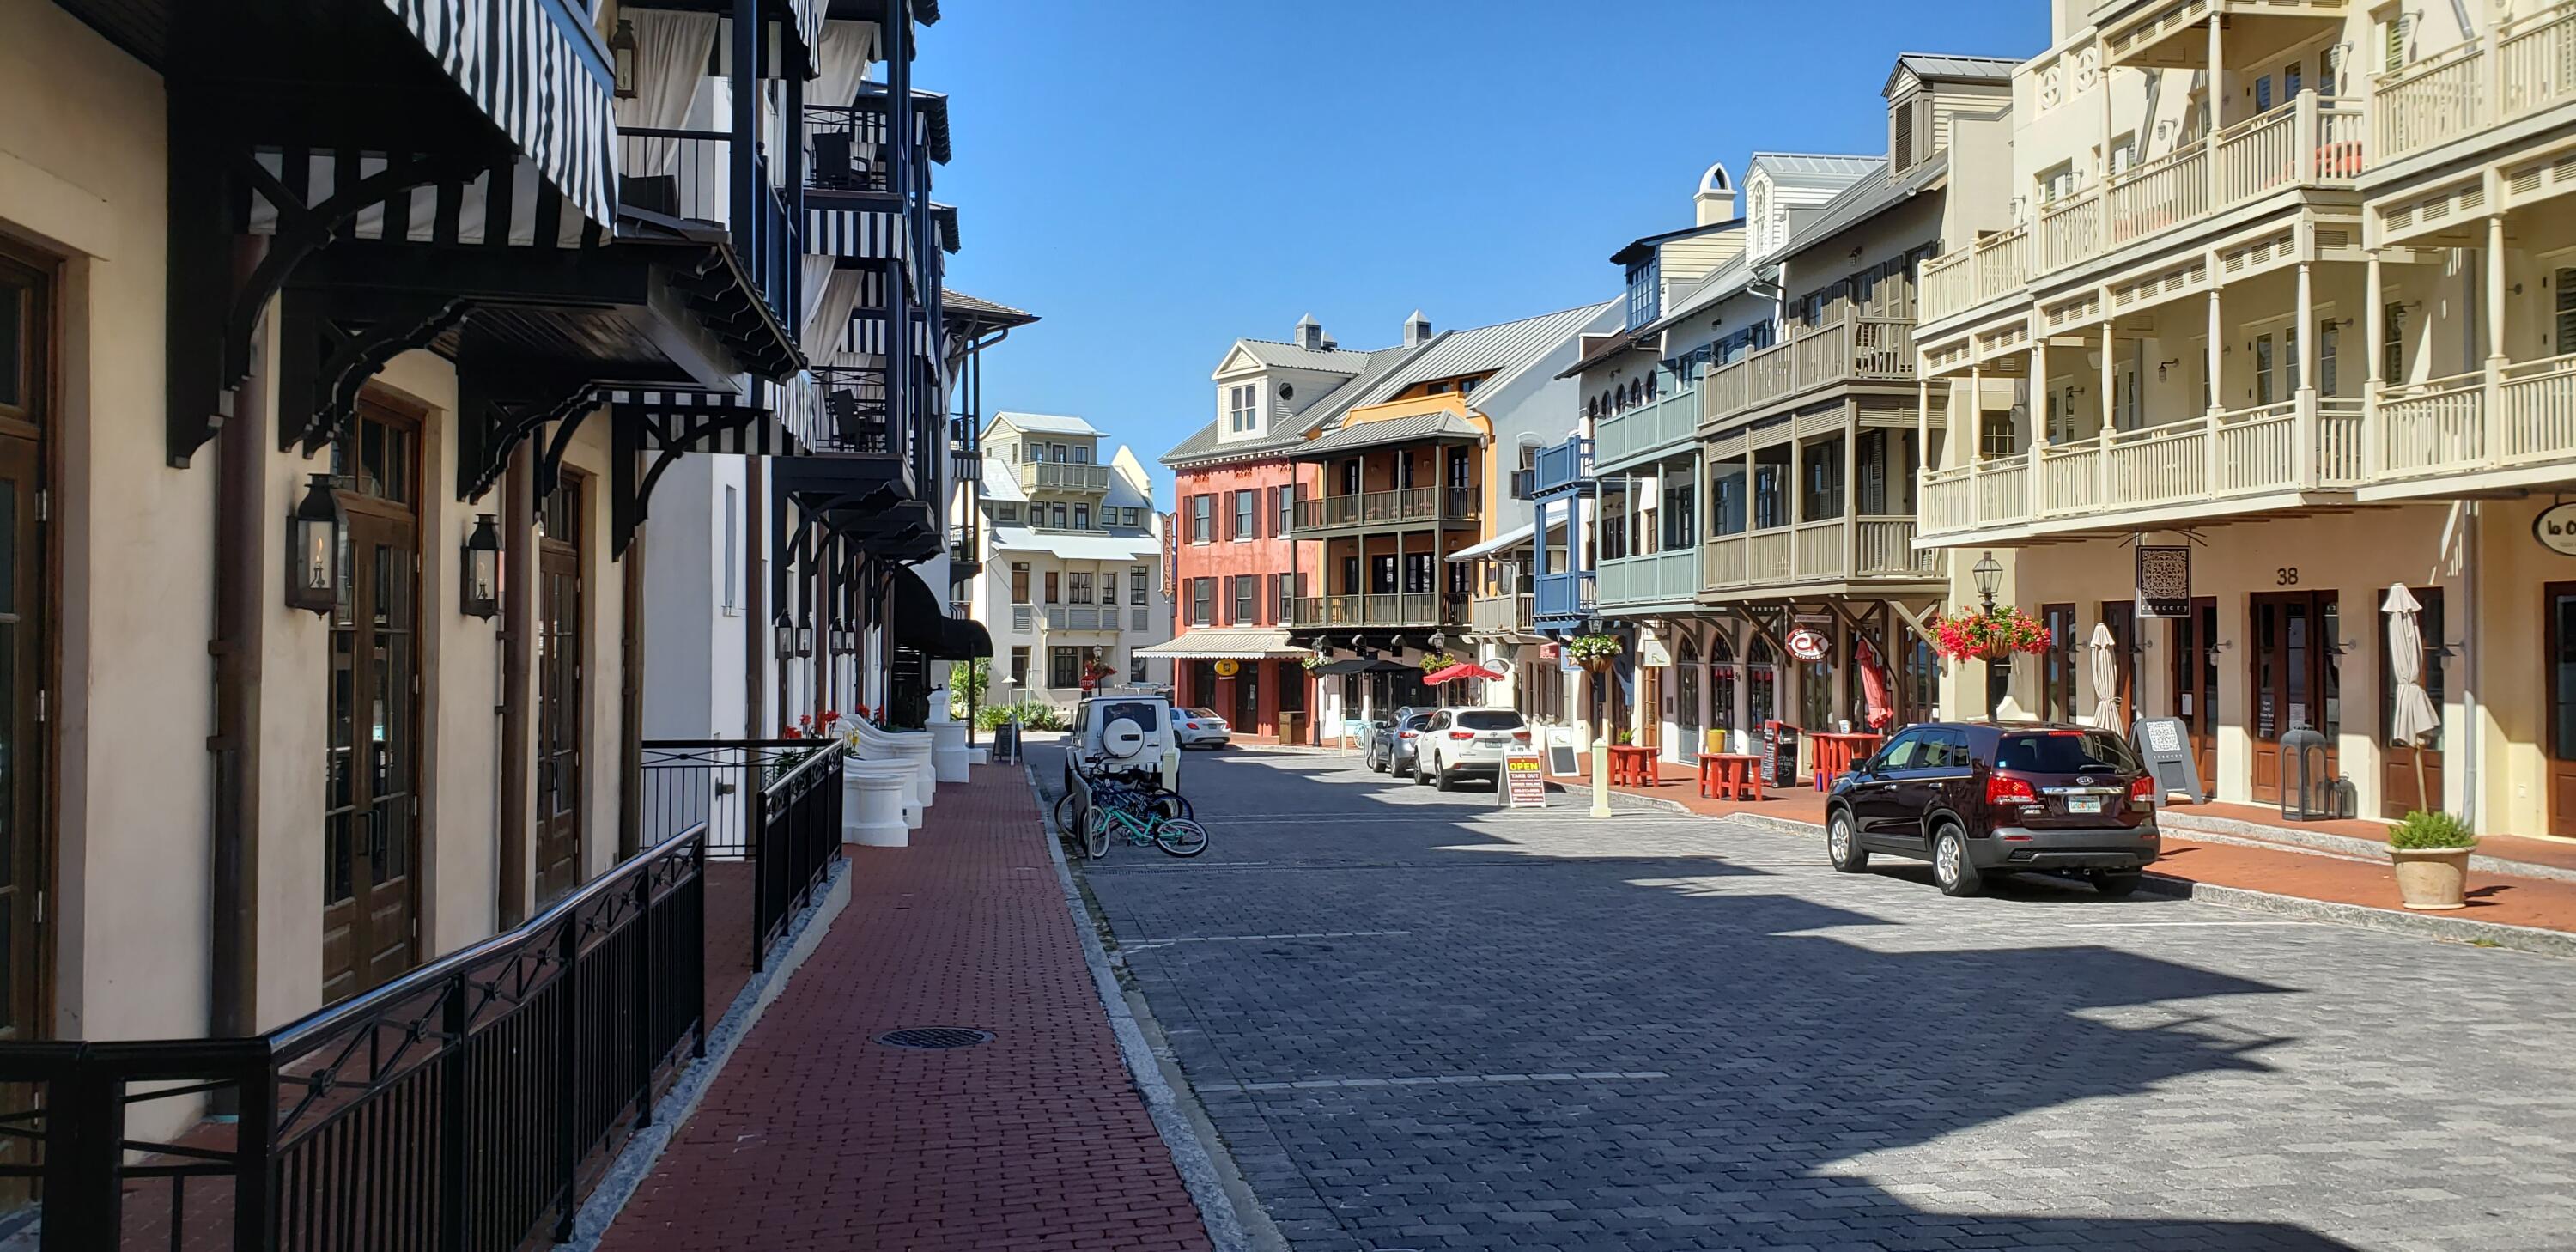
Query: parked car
[
  {"x": 1125, "y": 734},
  {"x": 1390, "y": 747},
  {"x": 1980, "y": 798},
  {"x": 1459, "y": 742},
  {"x": 1203, "y": 728}
]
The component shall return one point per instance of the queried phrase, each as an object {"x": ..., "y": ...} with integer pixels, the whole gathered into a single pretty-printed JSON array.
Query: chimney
[
  {"x": 1417, "y": 330},
  {"x": 1716, "y": 199},
  {"x": 1309, "y": 334}
]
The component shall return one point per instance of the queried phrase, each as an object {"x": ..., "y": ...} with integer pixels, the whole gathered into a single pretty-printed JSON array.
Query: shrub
[{"x": 2430, "y": 830}]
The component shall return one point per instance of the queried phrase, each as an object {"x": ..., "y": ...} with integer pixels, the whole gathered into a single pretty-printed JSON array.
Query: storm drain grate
[{"x": 935, "y": 1037}]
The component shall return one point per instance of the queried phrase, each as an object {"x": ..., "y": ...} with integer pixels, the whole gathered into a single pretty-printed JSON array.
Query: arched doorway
[
  {"x": 1761, "y": 685},
  {"x": 1722, "y": 685},
  {"x": 1686, "y": 687}
]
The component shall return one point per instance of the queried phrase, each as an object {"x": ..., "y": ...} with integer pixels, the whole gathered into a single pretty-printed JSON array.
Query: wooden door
[
  {"x": 560, "y": 724},
  {"x": 2293, "y": 637},
  {"x": 2195, "y": 684},
  {"x": 2399, "y": 793},
  {"x": 371, "y": 814},
  {"x": 2561, "y": 601},
  {"x": 26, "y": 834}
]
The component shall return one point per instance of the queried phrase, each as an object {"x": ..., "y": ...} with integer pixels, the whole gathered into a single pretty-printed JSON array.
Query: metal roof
[
  {"x": 1204, "y": 448},
  {"x": 976, "y": 311},
  {"x": 1271, "y": 352},
  {"x": 1237, "y": 643},
  {"x": 1863, "y": 200},
  {"x": 1406, "y": 429},
  {"x": 1500, "y": 351},
  {"x": 1075, "y": 547},
  {"x": 1815, "y": 169},
  {"x": 1047, "y": 423},
  {"x": 1948, "y": 68}
]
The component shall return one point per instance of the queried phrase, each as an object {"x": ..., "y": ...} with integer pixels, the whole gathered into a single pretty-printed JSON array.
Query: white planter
[
  {"x": 948, "y": 751},
  {"x": 916, "y": 747},
  {"x": 901, "y": 776},
  {"x": 873, "y": 812}
]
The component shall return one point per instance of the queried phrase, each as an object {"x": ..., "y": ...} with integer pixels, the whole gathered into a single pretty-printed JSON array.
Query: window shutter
[{"x": 1904, "y": 146}]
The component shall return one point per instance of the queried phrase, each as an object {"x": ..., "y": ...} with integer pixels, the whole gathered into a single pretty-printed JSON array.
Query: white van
[{"x": 1126, "y": 734}]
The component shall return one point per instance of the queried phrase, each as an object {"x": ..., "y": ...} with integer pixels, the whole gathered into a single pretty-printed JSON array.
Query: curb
[
  {"x": 635, "y": 1162},
  {"x": 2327, "y": 841},
  {"x": 2166, "y": 886},
  {"x": 1169, "y": 1106}
]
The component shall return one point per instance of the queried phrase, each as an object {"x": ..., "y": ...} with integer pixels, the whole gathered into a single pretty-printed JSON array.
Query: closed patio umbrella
[
  {"x": 2106, "y": 676},
  {"x": 1877, "y": 709},
  {"x": 2412, "y": 715}
]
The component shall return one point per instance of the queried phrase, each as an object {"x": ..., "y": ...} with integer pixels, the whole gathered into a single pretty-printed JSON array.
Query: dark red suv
[{"x": 1978, "y": 798}]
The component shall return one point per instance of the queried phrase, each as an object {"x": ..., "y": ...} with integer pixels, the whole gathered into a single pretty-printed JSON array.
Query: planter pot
[
  {"x": 2431, "y": 878},
  {"x": 872, "y": 806},
  {"x": 948, "y": 751}
]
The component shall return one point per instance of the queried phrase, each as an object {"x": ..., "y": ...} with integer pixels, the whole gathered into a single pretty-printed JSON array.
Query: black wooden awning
[{"x": 914, "y": 619}]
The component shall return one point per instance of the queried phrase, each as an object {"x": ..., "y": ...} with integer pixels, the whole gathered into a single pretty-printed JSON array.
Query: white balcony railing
[
  {"x": 1964, "y": 278},
  {"x": 1847, "y": 349},
  {"x": 1499, "y": 615},
  {"x": 1063, "y": 476},
  {"x": 2274, "y": 448},
  {"x": 2521, "y": 417},
  {"x": 2520, "y": 67}
]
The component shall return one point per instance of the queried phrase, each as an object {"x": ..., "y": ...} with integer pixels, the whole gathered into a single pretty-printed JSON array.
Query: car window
[
  {"x": 2066, "y": 752},
  {"x": 1906, "y": 751},
  {"x": 1490, "y": 719},
  {"x": 1144, "y": 713},
  {"x": 1418, "y": 721},
  {"x": 1206, "y": 713}
]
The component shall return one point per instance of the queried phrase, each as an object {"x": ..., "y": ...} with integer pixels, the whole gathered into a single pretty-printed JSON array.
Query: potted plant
[
  {"x": 2430, "y": 852},
  {"x": 1434, "y": 662},
  {"x": 1594, "y": 651},
  {"x": 1989, "y": 634}
]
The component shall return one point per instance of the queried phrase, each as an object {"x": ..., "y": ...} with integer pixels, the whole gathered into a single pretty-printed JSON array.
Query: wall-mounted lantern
[
  {"x": 313, "y": 532},
  {"x": 845, "y": 639},
  {"x": 621, "y": 58},
  {"x": 482, "y": 569},
  {"x": 805, "y": 637},
  {"x": 784, "y": 641}
]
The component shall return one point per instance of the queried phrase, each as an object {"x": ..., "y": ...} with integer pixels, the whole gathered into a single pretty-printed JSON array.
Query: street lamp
[
  {"x": 1990, "y": 574},
  {"x": 482, "y": 568},
  {"x": 313, "y": 548}
]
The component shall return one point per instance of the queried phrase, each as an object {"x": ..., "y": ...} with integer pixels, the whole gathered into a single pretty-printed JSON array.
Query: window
[
  {"x": 1417, "y": 573},
  {"x": 1064, "y": 667},
  {"x": 2263, "y": 94},
  {"x": 1902, "y": 150},
  {"x": 1279, "y": 588},
  {"x": 2057, "y": 183},
  {"x": 1824, "y": 462},
  {"x": 2563, "y": 312},
  {"x": 1019, "y": 582},
  {"x": 1681, "y": 512},
  {"x": 1082, "y": 517},
  {"x": 1351, "y": 477},
  {"x": 1055, "y": 514},
  {"x": 732, "y": 549},
  {"x": 1007, "y": 512},
  {"x": 1135, "y": 517},
  {"x": 2328, "y": 70},
  {"x": 1054, "y": 587},
  {"x": 2262, "y": 369},
  {"x": 1239, "y": 408},
  {"x": 1246, "y": 612},
  {"x": 1137, "y": 577},
  {"x": 1019, "y": 667},
  {"x": 1135, "y": 669},
  {"x": 2057, "y": 674},
  {"x": 1202, "y": 602},
  {"x": 1281, "y": 500},
  {"x": 1726, "y": 500},
  {"x": 1082, "y": 454},
  {"x": 1994, "y": 433},
  {"x": 2290, "y": 81},
  {"x": 1246, "y": 522},
  {"x": 1202, "y": 519},
  {"x": 2397, "y": 35},
  {"x": 2327, "y": 343},
  {"x": 1644, "y": 296},
  {"x": 2392, "y": 349},
  {"x": 1078, "y": 587}
]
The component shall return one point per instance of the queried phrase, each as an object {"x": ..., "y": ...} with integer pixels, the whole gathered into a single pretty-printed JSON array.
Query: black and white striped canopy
[
  {"x": 775, "y": 419},
  {"x": 545, "y": 85},
  {"x": 858, "y": 234},
  {"x": 514, "y": 203}
]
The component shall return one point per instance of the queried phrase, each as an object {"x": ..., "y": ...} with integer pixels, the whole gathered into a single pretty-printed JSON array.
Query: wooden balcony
[
  {"x": 1499, "y": 615},
  {"x": 1848, "y": 350},
  {"x": 1566, "y": 598},
  {"x": 1108, "y": 617},
  {"x": 1623, "y": 439},
  {"x": 1867, "y": 549},
  {"x": 1567, "y": 466},
  {"x": 2174, "y": 34},
  {"x": 1964, "y": 278},
  {"x": 1372, "y": 510},
  {"x": 1631, "y": 583},
  {"x": 2509, "y": 428},
  {"x": 2515, "y": 69},
  {"x": 1063, "y": 476},
  {"x": 1422, "y": 608},
  {"x": 2253, "y": 460}
]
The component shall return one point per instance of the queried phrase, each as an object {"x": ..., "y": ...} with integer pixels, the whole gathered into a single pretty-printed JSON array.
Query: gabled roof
[
  {"x": 1943, "y": 67},
  {"x": 1047, "y": 423},
  {"x": 1863, "y": 200},
  {"x": 1500, "y": 351},
  {"x": 1814, "y": 169},
  {"x": 1636, "y": 248},
  {"x": 1204, "y": 448},
  {"x": 1273, "y": 354}
]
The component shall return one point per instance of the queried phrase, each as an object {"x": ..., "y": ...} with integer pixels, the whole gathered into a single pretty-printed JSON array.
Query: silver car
[{"x": 1202, "y": 728}]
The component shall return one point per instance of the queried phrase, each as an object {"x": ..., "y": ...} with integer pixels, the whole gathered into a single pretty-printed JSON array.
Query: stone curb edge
[
  {"x": 635, "y": 1162},
  {"x": 2327, "y": 841},
  {"x": 1198, "y": 1168},
  {"x": 2419, "y": 925}
]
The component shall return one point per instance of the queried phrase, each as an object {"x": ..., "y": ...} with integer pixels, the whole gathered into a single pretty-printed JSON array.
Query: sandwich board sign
[
  {"x": 2166, "y": 744},
  {"x": 1560, "y": 754},
  {"x": 1524, "y": 781}
]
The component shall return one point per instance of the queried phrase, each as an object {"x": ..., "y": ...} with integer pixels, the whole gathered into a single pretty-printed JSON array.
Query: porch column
[
  {"x": 2304, "y": 425},
  {"x": 1851, "y": 489},
  {"x": 2217, "y": 116},
  {"x": 2495, "y": 290},
  {"x": 2307, "y": 331},
  {"x": 1797, "y": 494},
  {"x": 2107, "y": 402},
  {"x": 2217, "y": 353},
  {"x": 1976, "y": 433},
  {"x": 2374, "y": 327}
]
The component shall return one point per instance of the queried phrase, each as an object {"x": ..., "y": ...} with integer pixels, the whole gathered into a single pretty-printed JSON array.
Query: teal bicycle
[{"x": 1118, "y": 809}]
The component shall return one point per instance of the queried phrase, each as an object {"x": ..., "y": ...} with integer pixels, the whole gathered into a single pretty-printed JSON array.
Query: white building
[{"x": 1071, "y": 550}]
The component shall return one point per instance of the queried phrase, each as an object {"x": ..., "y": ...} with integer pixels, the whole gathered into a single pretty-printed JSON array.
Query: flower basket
[{"x": 1989, "y": 634}]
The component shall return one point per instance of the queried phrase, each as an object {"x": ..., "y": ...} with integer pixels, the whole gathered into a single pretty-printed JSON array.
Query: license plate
[
  {"x": 1490, "y": 740},
  {"x": 2083, "y": 804}
]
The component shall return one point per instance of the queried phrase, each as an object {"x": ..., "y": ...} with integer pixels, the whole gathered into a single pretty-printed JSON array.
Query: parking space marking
[
  {"x": 1433, "y": 1080},
  {"x": 1139, "y": 944}
]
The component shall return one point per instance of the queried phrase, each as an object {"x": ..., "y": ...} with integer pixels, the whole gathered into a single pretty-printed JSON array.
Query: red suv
[{"x": 1978, "y": 798}]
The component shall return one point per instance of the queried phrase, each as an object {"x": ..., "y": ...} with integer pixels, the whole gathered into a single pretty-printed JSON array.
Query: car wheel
[
  {"x": 1951, "y": 868},
  {"x": 1842, "y": 844},
  {"x": 1441, "y": 780},
  {"x": 1418, "y": 779},
  {"x": 2117, "y": 884}
]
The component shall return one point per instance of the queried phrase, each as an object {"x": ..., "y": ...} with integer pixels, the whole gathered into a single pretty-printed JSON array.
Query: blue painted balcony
[
  {"x": 1563, "y": 601},
  {"x": 1565, "y": 467}
]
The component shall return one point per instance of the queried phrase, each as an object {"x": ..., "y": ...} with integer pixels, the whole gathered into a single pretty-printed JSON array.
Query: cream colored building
[
  {"x": 1072, "y": 572},
  {"x": 2285, "y": 290}
]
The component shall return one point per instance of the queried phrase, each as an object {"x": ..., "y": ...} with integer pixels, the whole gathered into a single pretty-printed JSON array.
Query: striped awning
[
  {"x": 515, "y": 202},
  {"x": 541, "y": 79},
  {"x": 859, "y": 234},
  {"x": 774, "y": 419},
  {"x": 1227, "y": 644}
]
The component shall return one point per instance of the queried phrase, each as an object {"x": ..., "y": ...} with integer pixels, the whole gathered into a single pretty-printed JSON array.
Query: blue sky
[{"x": 1156, "y": 178}]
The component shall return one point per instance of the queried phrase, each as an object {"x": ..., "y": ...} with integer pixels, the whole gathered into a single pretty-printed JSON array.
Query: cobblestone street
[{"x": 1418, "y": 1022}]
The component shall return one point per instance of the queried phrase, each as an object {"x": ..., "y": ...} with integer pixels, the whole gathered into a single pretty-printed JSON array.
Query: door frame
[
  {"x": 2200, "y": 663},
  {"x": 574, "y": 485},
  {"x": 44, "y": 857},
  {"x": 2321, "y": 658},
  {"x": 2549, "y": 592}
]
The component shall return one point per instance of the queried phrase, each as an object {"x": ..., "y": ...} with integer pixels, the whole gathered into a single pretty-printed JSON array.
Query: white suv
[
  {"x": 1468, "y": 741},
  {"x": 1125, "y": 735}
]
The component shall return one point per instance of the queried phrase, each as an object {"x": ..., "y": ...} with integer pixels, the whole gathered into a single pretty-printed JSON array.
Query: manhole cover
[{"x": 935, "y": 1037}]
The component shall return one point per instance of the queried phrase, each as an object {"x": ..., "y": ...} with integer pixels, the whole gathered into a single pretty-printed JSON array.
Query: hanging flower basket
[
  {"x": 1433, "y": 662},
  {"x": 1989, "y": 635},
  {"x": 1594, "y": 652}
]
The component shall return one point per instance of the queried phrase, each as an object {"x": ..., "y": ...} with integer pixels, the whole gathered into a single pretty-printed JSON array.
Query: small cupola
[
  {"x": 1715, "y": 201},
  {"x": 1417, "y": 330},
  {"x": 1309, "y": 334}
]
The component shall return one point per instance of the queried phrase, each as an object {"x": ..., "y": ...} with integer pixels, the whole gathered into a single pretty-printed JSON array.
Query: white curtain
[
  {"x": 841, "y": 63},
  {"x": 671, "y": 54}
]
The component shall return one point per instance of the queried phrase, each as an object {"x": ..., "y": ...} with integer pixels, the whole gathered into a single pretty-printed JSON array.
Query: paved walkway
[
  {"x": 2338, "y": 876},
  {"x": 816, "y": 1137}
]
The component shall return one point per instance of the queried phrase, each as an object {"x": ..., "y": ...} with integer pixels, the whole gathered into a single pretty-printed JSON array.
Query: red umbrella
[
  {"x": 1873, "y": 686},
  {"x": 1463, "y": 669}
]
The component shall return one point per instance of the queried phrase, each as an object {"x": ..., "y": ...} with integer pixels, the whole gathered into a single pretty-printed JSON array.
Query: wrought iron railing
[
  {"x": 796, "y": 836},
  {"x": 693, "y": 175},
  {"x": 468, "y": 1104},
  {"x": 730, "y": 788}
]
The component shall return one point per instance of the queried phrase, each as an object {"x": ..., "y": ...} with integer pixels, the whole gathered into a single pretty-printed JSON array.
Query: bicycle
[
  {"x": 1139, "y": 814},
  {"x": 1068, "y": 807}
]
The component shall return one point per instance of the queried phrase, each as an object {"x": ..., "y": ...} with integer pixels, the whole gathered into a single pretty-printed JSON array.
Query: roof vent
[
  {"x": 1417, "y": 330},
  {"x": 1309, "y": 334}
]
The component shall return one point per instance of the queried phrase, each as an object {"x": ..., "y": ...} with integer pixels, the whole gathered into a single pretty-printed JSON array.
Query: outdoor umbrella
[
  {"x": 2106, "y": 676},
  {"x": 2412, "y": 715},
  {"x": 1463, "y": 669},
  {"x": 1877, "y": 709}
]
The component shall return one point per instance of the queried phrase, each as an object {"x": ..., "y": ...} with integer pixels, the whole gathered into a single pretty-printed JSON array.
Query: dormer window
[
  {"x": 1240, "y": 401},
  {"x": 1645, "y": 297}
]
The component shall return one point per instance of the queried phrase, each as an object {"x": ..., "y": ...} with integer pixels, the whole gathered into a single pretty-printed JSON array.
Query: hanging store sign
[
  {"x": 1651, "y": 651},
  {"x": 2555, "y": 528},
  {"x": 1807, "y": 645},
  {"x": 1228, "y": 668},
  {"x": 2164, "y": 581}
]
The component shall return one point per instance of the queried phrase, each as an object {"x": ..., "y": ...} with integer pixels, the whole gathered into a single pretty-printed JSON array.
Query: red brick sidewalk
[
  {"x": 816, "y": 1138},
  {"x": 2280, "y": 869}
]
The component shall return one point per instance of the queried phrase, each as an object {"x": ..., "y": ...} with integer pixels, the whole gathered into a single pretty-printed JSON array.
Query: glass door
[
  {"x": 561, "y": 600},
  {"x": 26, "y": 319},
  {"x": 2293, "y": 680},
  {"x": 2195, "y": 685},
  {"x": 2561, "y": 599},
  {"x": 370, "y": 836}
]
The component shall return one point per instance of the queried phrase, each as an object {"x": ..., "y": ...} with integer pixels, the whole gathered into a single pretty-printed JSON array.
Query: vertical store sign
[
  {"x": 1172, "y": 557},
  {"x": 2164, "y": 581}
]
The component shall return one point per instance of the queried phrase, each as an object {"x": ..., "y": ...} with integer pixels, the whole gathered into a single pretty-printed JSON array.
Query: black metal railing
[
  {"x": 773, "y": 802},
  {"x": 469, "y": 1104},
  {"x": 855, "y": 418},
  {"x": 795, "y": 837},
  {"x": 709, "y": 782},
  {"x": 692, "y": 175},
  {"x": 847, "y": 149}
]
